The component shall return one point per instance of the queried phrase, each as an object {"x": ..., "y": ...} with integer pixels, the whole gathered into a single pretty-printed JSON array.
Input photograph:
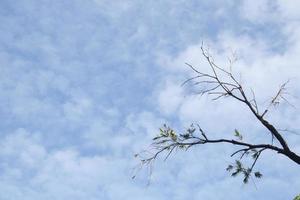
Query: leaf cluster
[
  {"x": 297, "y": 197},
  {"x": 238, "y": 169},
  {"x": 220, "y": 83}
]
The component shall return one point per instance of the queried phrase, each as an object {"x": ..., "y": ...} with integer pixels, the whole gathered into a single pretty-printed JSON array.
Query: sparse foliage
[
  {"x": 297, "y": 197},
  {"x": 222, "y": 83}
]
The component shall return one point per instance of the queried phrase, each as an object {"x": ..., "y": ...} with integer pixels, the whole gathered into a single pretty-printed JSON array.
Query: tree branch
[{"x": 222, "y": 83}]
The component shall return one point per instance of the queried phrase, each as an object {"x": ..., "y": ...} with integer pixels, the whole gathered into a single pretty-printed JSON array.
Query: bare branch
[{"x": 222, "y": 83}]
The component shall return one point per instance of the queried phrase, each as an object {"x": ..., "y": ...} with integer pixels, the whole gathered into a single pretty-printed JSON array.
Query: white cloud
[
  {"x": 170, "y": 98},
  {"x": 264, "y": 11},
  {"x": 289, "y": 9},
  {"x": 258, "y": 11},
  {"x": 60, "y": 174},
  {"x": 78, "y": 108},
  {"x": 113, "y": 9},
  {"x": 263, "y": 70},
  {"x": 22, "y": 146},
  {"x": 63, "y": 78},
  {"x": 143, "y": 125}
]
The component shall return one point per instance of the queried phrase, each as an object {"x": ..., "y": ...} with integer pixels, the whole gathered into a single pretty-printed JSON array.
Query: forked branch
[{"x": 222, "y": 83}]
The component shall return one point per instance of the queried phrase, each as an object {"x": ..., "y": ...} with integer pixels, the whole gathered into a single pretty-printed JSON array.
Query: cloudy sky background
[{"x": 85, "y": 84}]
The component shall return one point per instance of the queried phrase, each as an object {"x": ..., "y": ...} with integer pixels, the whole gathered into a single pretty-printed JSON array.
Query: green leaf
[
  {"x": 246, "y": 179},
  {"x": 257, "y": 174},
  {"x": 238, "y": 164},
  {"x": 191, "y": 130},
  {"x": 255, "y": 155},
  {"x": 235, "y": 173},
  {"x": 174, "y": 137},
  {"x": 185, "y": 136},
  {"x": 297, "y": 197},
  {"x": 238, "y": 134},
  {"x": 229, "y": 168}
]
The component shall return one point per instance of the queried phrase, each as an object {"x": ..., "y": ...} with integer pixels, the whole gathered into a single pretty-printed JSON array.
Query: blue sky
[{"x": 85, "y": 84}]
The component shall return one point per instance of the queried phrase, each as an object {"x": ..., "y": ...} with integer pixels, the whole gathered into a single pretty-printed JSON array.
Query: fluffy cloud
[
  {"x": 84, "y": 85},
  {"x": 263, "y": 69}
]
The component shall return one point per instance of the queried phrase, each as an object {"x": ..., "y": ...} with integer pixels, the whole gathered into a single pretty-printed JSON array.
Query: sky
[{"x": 85, "y": 84}]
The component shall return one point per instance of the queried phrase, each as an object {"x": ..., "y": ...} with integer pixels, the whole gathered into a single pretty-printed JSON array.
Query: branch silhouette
[{"x": 222, "y": 83}]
